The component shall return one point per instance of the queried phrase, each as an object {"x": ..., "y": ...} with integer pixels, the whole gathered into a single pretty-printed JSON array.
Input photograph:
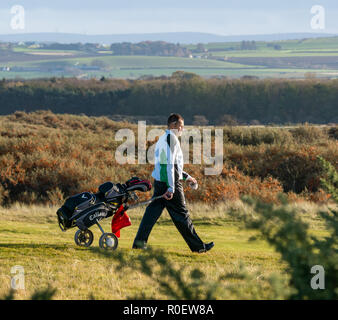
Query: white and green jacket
[{"x": 169, "y": 160}]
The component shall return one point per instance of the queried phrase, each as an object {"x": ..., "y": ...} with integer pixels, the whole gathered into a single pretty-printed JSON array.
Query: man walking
[{"x": 167, "y": 173}]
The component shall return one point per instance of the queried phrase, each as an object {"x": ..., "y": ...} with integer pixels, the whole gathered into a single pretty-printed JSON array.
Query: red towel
[{"x": 119, "y": 221}]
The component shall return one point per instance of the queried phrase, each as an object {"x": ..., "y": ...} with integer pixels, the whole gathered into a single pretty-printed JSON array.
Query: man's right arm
[{"x": 172, "y": 146}]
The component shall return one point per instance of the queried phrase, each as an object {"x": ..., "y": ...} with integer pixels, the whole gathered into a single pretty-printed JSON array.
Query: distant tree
[
  {"x": 184, "y": 75},
  {"x": 249, "y": 77},
  {"x": 227, "y": 120},
  {"x": 268, "y": 101},
  {"x": 274, "y": 45},
  {"x": 200, "y": 47},
  {"x": 255, "y": 122},
  {"x": 149, "y": 48},
  {"x": 200, "y": 120},
  {"x": 248, "y": 45}
]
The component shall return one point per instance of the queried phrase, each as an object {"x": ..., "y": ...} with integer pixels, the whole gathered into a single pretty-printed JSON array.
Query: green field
[
  {"x": 301, "y": 44},
  {"x": 225, "y": 59},
  {"x": 134, "y": 62},
  {"x": 133, "y": 74},
  {"x": 30, "y": 237},
  {"x": 276, "y": 53}
]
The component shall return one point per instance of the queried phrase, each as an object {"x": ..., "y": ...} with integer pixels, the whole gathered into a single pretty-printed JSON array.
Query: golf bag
[
  {"x": 91, "y": 215},
  {"x": 73, "y": 206},
  {"x": 110, "y": 192},
  {"x": 137, "y": 184},
  {"x": 85, "y": 209}
]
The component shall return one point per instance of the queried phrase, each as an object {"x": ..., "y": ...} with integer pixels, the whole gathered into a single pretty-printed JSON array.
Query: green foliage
[
  {"x": 253, "y": 286},
  {"x": 330, "y": 182},
  {"x": 183, "y": 75},
  {"x": 329, "y": 248},
  {"x": 285, "y": 230},
  {"x": 266, "y": 101}
]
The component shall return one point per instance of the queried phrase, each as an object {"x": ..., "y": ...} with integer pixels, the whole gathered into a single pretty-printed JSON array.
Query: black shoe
[
  {"x": 207, "y": 247},
  {"x": 140, "y": 245}
]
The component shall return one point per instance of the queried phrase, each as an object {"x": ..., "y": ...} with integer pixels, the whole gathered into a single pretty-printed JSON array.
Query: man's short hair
[{"x": 174, "y": 117}]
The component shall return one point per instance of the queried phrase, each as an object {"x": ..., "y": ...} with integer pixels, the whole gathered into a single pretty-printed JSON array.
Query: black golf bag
[
  {"x": 85, "y": 209},
  {"x": 73, "y": 207}
]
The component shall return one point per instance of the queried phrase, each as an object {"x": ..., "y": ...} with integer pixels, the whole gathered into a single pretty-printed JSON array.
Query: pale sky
[{"x": 223, "y": 17}]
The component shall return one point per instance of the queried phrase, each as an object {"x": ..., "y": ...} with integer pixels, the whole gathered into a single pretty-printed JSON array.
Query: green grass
[
  {"x": 297, "y": 44},
  {"x": 207, "y": 72},
  {"x": 127, "y": 67},
  {"x": 30, "y": 237},
  {"x": 119, "y": 62},
  {"x": 290, "y": 48},
  {"x": 136, "y": 66},
  {"x": 38, "y": 50},
  {"x": 275, "y": 53},
  {"x": 318, "y": 43}
]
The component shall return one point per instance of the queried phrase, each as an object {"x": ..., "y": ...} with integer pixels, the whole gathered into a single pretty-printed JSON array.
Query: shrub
[
  {"x": 200, "y": 120},
  {"x": 284, "y": 229},
  {"x": 307, "y": 134},
  {"x": 330, "y": 182},
  {"x": 296, "y": 168},
  {"x": 333, "y": 132},
  {"x": 42, "y": 152},
  {"x": 3, "y": 195}
]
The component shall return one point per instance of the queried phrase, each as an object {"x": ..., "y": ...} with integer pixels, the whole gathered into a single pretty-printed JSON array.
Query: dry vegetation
[{"x": 45, "y": 157}]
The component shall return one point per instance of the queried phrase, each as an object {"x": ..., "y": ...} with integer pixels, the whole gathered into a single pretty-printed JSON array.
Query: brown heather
[{"x": 46, "y": 157}]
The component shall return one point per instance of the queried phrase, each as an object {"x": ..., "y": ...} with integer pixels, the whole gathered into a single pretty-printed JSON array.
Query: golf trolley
[{"x": 86, "y": 209}]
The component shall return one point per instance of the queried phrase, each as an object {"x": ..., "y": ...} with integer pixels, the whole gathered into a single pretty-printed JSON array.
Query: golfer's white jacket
[{"x": 169, "y": 160}]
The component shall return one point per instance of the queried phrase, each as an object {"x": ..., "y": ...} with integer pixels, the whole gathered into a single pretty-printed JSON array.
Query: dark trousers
[{"x": 178, "y": 213}]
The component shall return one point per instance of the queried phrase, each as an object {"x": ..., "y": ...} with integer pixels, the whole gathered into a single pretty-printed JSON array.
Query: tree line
[
  {"x": 149, "y": 48},
  {"x": 242, "y": 101}
]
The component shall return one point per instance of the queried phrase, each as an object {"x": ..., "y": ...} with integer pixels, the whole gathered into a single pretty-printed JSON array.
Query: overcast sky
[{"x": 223, "y": 17}]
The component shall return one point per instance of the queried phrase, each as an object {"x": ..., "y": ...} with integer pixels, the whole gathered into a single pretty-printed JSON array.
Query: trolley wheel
[
  {"x": 108, "y": 241},
  {"x": 84, "y": 238}
]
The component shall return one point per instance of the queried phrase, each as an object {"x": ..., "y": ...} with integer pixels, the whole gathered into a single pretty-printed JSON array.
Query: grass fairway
[{"x": 30, "y": 237}]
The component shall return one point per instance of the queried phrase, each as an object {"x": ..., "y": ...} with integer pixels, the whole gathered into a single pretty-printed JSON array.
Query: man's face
[{"x": 178, "y": 127}]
